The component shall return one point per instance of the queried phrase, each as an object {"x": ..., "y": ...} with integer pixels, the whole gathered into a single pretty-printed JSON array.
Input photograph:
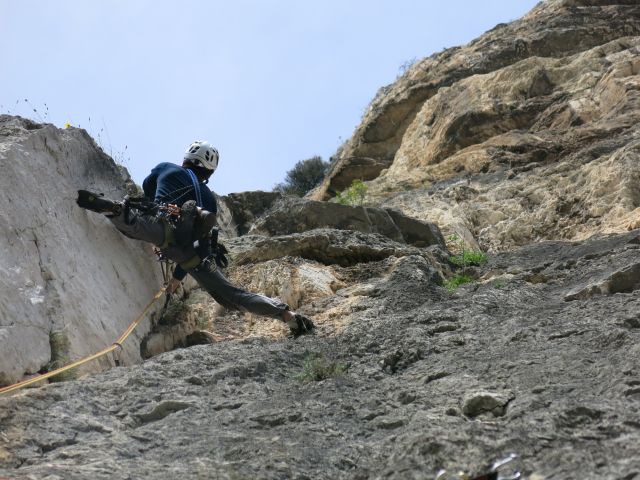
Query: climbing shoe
[
  {"x": 302, "y": 326},
  {"x": 221, "y": 253},
  {"x": 94, "y": 202}
]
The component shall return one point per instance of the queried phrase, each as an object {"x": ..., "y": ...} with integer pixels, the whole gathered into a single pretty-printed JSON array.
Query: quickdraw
[
  {"x": 165, "y": 265},
  {"x": 144, "y": 205}
]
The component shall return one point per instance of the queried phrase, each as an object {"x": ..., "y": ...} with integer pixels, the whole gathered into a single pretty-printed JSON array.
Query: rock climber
[{"x": 190, "y": 239}]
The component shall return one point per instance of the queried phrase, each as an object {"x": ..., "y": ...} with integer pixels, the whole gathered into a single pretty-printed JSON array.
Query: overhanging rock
[{"x": 296, "y": 215}]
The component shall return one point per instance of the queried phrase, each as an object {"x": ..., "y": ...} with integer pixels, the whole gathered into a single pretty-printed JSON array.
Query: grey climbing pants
[
  {"x": 153, "y": 230},
  {"x": 230, "y": 296}
]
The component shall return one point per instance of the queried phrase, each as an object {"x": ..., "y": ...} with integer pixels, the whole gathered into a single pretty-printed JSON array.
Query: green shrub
[
  {"x": 454, "y": 282},
  {"x": 316, "y": 368},
  {"x": 304, "y": 176},
  {"x": 466, "y": 257},
  {"x": 469, "y": 257},
  {"x": 354, "y": 195}
]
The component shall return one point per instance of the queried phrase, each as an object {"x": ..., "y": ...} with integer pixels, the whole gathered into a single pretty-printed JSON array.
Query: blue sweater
[{"x": 170, "y": 183}]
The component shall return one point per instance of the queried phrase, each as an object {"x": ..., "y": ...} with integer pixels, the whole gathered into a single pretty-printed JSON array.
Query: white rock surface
[{"x": 63, "y": 269}]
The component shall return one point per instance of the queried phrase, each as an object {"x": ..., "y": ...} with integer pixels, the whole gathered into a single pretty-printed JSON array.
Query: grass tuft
[
  {"x": 468, "y": 258},
  {"x": 317, "y": 368},
  {"x": 454, "y": 282},
  {"x": 60, "y": 356}
]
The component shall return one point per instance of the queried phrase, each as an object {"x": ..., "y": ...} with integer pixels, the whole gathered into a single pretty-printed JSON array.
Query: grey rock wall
[
  {"x": 538, "y": 355},
  {"x": 429, "y": 380},
  {"x": 297, "y": 215},
  {"x": 67, "y": 277}
]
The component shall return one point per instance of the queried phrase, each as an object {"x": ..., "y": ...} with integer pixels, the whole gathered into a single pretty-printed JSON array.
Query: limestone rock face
[
  {"x": 527, "y": 133},
  {"x": 519, "y": 141},
  {"x": 69, "y": 280},
  {"x": 297, "y": 215},
  {"x": 402, "y": 379},
  {"x": 561, "y": 165},
  {"x": 240, "y": 210},
  {"x": 328, "y": 246}
]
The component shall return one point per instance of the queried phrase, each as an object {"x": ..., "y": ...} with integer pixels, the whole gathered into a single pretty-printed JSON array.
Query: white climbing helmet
[{"x": 202, "y": 154}]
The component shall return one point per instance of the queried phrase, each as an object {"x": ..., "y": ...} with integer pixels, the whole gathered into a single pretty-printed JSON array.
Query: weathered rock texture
[
  {"x": 69, "y": 283},
  {"x": 528, "y": 133},
  {"x": 431, "y": 380},
  {"x": 323, "y": 245},
  {"x": 238, "y": 211},
  {"x": 296, "y": 215}
]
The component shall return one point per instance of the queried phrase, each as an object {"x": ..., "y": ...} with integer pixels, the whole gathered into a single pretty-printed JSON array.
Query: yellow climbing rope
[{"x": 116, "y": 344}]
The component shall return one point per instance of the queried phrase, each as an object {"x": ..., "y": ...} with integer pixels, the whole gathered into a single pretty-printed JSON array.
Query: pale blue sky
[{"x": 268, "y": 82}]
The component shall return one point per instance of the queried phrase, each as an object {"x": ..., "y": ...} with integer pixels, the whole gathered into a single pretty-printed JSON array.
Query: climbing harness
[
  {"x": 218, "y": 250},
  {"x": 184, "y": 227},
  {"x": 144, "y": 205},
  {"x": 101, "y": 353}
]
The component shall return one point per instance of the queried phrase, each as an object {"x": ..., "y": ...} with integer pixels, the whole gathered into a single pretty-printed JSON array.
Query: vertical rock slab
[{"x": 67, "y": 277}]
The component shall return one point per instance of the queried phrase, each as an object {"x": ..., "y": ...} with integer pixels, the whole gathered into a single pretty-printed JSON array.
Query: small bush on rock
[
  {"x": 456, "y": 281},
  {"x": 468, "y": 258},
  {"x": 305, "y": 175},
  {"x": 354, "y": 195},
  {"x": 317, "y": 368}
]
